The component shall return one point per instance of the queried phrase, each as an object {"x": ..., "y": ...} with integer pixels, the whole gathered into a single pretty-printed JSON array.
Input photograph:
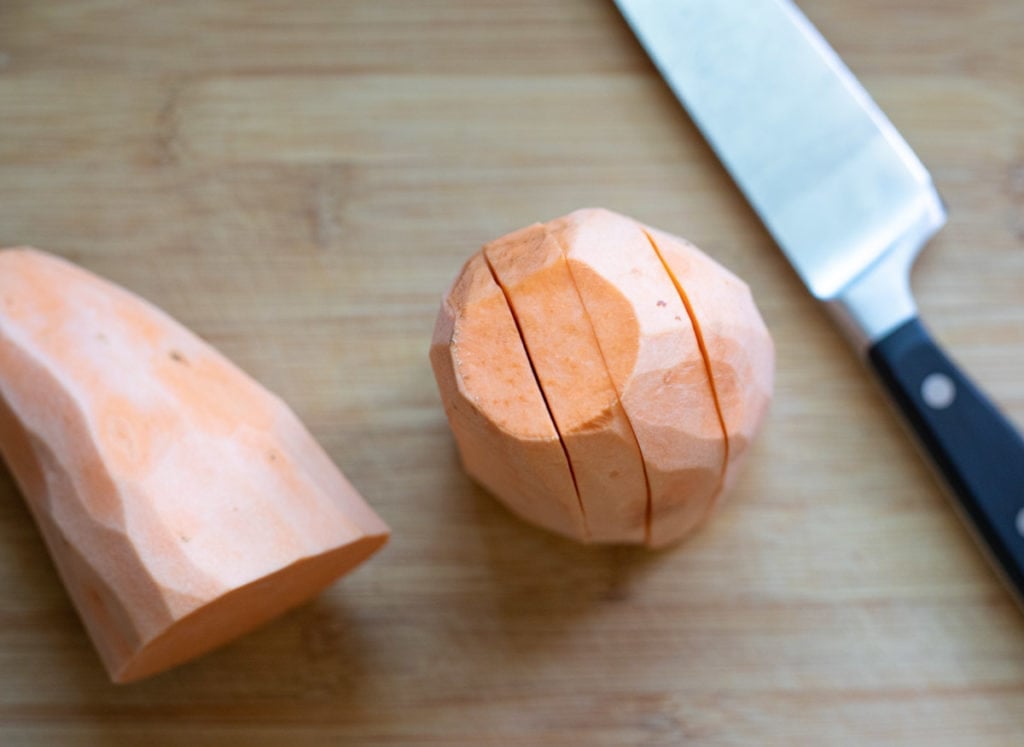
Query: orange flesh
[
  {"x": 701, "y": 344},
  {"x": 164, "y": 480},
  {"x": 560, "y": 342},
  {"x": 543, "y": 396},
  {"x": 264, "y": 599},
  {"x": 740, "y": 352},
  {"x": 646, "y": 360},
  {"x": 654, "y": 360},
  {"x": 502, "y": 427}
]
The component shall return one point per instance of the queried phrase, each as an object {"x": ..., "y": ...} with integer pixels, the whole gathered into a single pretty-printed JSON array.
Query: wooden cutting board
[{"x": 299, "y": 181}]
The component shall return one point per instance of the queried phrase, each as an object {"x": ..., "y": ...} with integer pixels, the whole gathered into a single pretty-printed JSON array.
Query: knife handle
[{"x": 974, "y": 447}]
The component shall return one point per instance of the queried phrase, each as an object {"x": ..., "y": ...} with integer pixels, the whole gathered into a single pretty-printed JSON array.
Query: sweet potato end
[{"x": 243, "y": 609}]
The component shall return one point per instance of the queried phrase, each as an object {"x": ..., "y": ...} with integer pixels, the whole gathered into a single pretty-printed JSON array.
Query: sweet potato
[
  {"x": 182, "y": 503},
  {"x": 649, "y": 359},
  {"x": 566, "y": 358},
  {"x": 654, "y": 359},
  {"x": 502, "y": 427},
  {"x": 737, "y": 346}
]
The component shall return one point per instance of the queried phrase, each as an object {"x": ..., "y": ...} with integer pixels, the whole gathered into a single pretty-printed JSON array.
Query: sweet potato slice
[
  {"x": 649, "y": 344},
  {"x": 182, "y": 503},
  {"x": 740, "y": 352},
  {"x": 502, "y": 427},
  {"x": 603, "y": 452}
]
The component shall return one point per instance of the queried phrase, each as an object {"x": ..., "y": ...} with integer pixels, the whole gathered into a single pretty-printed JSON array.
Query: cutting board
[{"x": 299, "y": 181}]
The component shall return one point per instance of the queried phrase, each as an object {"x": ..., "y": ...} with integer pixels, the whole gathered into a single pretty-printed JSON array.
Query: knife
[{"x": 850, "y": 205}]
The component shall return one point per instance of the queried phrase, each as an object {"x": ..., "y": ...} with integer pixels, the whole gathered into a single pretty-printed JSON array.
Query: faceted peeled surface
[
  {"x": 740, "y": 351},
  {"x": 652, "y": 362},
  {"x": 648, "y": 341},
  {"x": 561, "y": 345},
  {"x": 502, "y": 427},
  {"x": 183, "y": 504}
]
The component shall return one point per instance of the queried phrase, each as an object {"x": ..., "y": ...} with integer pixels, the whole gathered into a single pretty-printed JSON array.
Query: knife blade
[{"x": 850, "y": 205}]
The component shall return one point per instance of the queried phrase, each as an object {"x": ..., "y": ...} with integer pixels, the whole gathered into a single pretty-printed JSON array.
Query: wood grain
[{"x": 299, "y": 181}]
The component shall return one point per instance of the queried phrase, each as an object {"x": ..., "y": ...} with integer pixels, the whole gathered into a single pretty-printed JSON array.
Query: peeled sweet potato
[
  {"x": 182, "y": 503},
  {"x": 502, "y": 426},
  {"x": 641, "y": 366},
  {"x": 556, "y": 331}
]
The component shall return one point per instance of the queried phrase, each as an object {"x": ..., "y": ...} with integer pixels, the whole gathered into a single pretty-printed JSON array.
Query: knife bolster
[{"x": 879, "y": 299}]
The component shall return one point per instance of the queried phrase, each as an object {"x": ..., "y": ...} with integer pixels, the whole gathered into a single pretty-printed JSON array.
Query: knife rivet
[
  {"x": 1020, "y": 522},
  {"x": 938, "y": 391}
]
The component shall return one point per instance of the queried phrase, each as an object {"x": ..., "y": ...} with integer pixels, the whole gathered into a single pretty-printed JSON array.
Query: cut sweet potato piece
[
  {"x": 182, "y": 503},
  {"x": 621, "y": 338},
  {"x": 650, "y": 347},
  {"x": 503, "y": 430},
  {"x": 560, "y": 342},
  {"x": 739, "y": 349}
]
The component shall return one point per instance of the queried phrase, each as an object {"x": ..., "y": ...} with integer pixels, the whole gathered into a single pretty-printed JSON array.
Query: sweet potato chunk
[
  {"x": 652, "y": 362},
  {"x": 502, "y": 427},
  {"x": 182, "y": 503},
  {"x": 653, "y": 357},
  {"x": 560, "y": 341},
  {"x": 739, "y": 349}
]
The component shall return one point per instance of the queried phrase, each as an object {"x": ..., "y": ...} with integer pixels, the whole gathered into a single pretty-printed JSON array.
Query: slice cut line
[
  {"x": 602, "y": 449},
  {"x": 543, "y": 394},
  {"x": 646, "y": 335},
  {"x": 504, "y": 433},
  {"x": 739, "y": 349},
  {"x": 707, "y": 361},
  {"x": 648, "y": 511}
]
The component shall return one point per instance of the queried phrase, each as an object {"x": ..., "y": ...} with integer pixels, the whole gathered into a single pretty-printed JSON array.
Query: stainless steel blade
[{"x": 839, "y": 189}]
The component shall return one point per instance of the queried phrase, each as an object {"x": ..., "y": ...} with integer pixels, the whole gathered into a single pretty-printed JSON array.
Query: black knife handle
[{"x": 975, "y": 448}]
